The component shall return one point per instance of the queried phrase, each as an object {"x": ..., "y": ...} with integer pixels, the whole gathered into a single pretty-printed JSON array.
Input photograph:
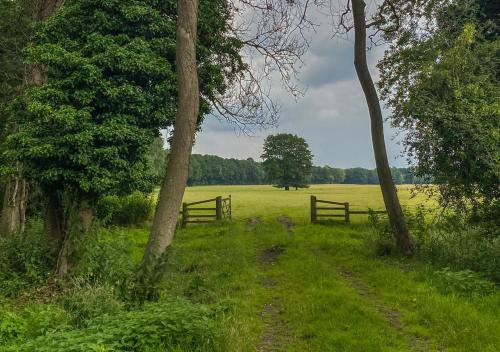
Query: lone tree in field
[{"x": 287, "y": 161}]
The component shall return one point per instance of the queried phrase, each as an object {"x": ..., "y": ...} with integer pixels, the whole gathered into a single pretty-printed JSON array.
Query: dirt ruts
[{"x": 391, "y": 315}]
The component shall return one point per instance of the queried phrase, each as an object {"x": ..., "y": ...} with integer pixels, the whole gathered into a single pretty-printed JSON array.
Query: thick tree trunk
[
  {"x": 391, "y": 200},
  {"x": 53, "y": 223},
  {"x": 14, "y": 206},
  {"x": 75, "y": 223},
  {"x": 16, "y": 190},
  {"x": 172, "y": 191}
]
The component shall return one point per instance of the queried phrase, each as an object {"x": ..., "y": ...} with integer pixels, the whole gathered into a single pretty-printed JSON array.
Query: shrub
[
  {"x": 133, "y": 209},
  {"x": 382, "y": 241},
  {"x": 167, "y": 326},
  {"x": 461, "y": 248},
  {"x": 103, "y": 257},
  {"x": 85, "y": 301},
  {"x": 33, "y": 321},
  {"x": 25, "y": 260},
  {"x": 12, "y": 326},
  {"x": 464, "y": 282}
]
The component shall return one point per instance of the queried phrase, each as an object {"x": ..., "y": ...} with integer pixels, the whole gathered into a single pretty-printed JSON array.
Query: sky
[{"x": 332, "y": 115}]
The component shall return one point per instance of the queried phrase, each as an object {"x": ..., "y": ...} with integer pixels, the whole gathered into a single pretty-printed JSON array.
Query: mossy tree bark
[
  {"x": 389, "y": 192},
  {"x": 172, "y": 191}
]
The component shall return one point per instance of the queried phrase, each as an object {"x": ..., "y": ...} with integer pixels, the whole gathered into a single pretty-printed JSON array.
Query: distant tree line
[{"x": 214, "y": 170}]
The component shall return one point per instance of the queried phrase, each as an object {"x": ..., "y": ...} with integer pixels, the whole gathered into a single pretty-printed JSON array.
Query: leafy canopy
[
  {"x": 287, "y": 161},
  {"x": 443, "y": 88},
  {"x": 110, "y": 86}
]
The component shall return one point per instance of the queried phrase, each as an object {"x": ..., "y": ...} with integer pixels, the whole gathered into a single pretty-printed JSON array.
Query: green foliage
[
  {"x": 25, "y": 260},
  {"x": 287, "y": 161},
  {"x": 382, "y": 240},
  {"x": 110, "y": 87},
  {"x": 86, "y": 301},
  {"x": 441, "y": 82},
  {"x": 32, "y": 321},
  {"x": 157, "y": 160},
  {"x": 133, "y": 209},
  {"x": 214, "y": 170},
  {"x": 103, "y": 257},
  {"x": 460, "y": 246},
  {"x": 464, "y": 282},
  {"x": 172, "y": 325},
  {"x": 15, "y": 28}
]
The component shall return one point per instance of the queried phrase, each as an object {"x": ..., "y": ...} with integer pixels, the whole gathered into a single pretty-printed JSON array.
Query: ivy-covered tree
[
  {"x": 287, "y": 161},
  {"x": 440, "y": 78},
  {"x": 110, "y": 86}
]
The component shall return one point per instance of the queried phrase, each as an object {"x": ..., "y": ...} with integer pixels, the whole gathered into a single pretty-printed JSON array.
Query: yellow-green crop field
[{"x": 268, "y": 201}]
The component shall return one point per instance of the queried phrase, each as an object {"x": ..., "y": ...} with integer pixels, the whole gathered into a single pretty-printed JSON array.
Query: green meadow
[
  {"x": 268, "y": 280},
  {"x": 289, "y": 285}
]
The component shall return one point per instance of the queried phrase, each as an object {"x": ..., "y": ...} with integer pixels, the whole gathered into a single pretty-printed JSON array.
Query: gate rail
[
  {"x": 192, "y": 213},
  {"x": 332, "y": 210}
]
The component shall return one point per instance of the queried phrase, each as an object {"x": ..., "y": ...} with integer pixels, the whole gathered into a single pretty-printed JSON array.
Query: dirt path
[
  {"x": 252, "y": 222},
  {"x": 391, "y": 315},
  {"x": 287, "y": 223},
  {"x": 274, "y": 336}
]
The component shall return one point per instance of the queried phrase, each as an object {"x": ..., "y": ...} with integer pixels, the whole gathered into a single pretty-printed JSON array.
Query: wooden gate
[
  {"x": 202, "y": 213},
  {"x": 335, "y": 210}
]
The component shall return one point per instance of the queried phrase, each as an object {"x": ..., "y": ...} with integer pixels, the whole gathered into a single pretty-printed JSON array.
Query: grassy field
[
  {"x": 293, "y": 286},
  {"x": 269, "y": 202},
  {"x": 273, "y": 282}
]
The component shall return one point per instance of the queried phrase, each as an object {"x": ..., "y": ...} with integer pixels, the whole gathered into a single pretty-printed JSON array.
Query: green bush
[
  {"x": 133, "y": 209},
  {"x": 33, "y": 321},
  {"x": 167, "y": 326},
  {"x": 461, "y": 248},
  {"x": 463, "y": 282},
  {"x": 25, "y": 260},
  {"x": 381, "y": 243},
  {"x": 103, "y": 256},
  {"x": 451, "y": 241}
]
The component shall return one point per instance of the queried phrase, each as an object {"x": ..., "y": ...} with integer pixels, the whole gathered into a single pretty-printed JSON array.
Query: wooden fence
[
  {"x": 328, "y": 209},
  {"x": 192, "y": 213}
]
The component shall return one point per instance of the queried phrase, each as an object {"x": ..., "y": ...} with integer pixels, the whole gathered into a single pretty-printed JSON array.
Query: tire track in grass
[
  {"x": 391, "y": 315},
  {"x": 275, "y": 335}
]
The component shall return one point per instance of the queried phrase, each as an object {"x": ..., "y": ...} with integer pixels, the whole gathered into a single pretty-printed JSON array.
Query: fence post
[
  {"x": 230, "y": 208},
  {"x": 184, "y": 214},
  {"x": 346, "y": 206},
  {"x": 218, "y": 208},
  {"x": 313, "y": 209}
]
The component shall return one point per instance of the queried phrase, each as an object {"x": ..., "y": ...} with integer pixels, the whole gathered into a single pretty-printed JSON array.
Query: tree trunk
[
  {"x": 53, "y": 223},
  {"x": 172, "y": 191},
  {"x": 14, "y": 206},
  {"x": 16, "y": 190},
  {"x": 75, "y": 223},
  {"x": 391, "y": 200},
  {"x": 287, "y": 188}
]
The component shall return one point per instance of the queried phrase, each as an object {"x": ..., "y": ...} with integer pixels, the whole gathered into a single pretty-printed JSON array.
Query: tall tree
[
  {"x": 172, "y": 191},
  {"x": 110, "y": 87},
  {"x": 389, "y": 192},
  {"x": 287, "y": 161},
  {"x": 440, "y": 78},
  {"x": 19, "y": 16}
]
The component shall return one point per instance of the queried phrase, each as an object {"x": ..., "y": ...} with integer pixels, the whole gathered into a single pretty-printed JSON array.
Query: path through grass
[
  {"x": 288, "y": 285},
  {"x": 292, "y": 286}
]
